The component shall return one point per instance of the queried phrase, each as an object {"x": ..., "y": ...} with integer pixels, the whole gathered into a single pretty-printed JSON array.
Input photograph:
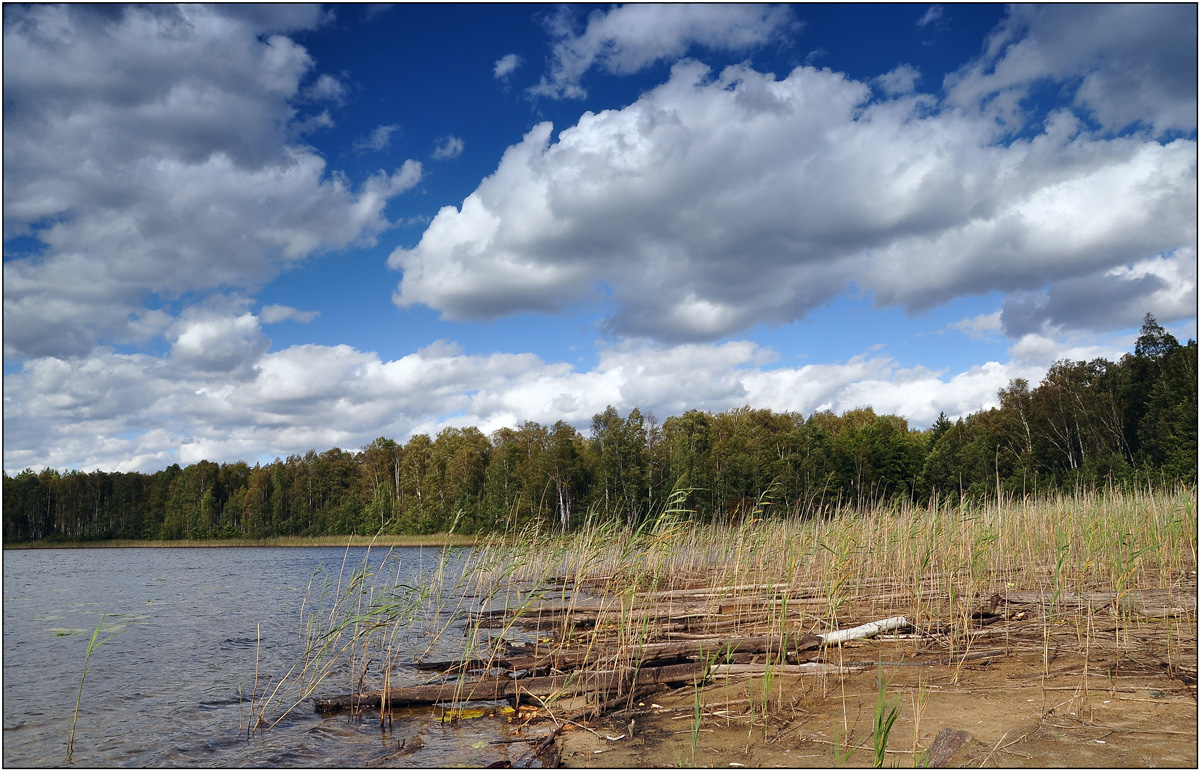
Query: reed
[
  {"x": 886, "y": 712},
  {"x": 92, "y": 645},
  {"x": 936, "y": 562}
]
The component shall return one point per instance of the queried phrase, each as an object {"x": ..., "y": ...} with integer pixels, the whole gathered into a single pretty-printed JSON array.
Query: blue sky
[{"x": 240, "y": 232}]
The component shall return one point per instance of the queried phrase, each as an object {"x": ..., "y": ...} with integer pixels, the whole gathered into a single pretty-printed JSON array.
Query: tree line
[{"x": 1085, "y": 424}]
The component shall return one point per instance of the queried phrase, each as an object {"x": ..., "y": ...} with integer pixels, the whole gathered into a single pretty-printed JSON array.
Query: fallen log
[
  {"x": 545, "y": 611},
  {"x": 815, "y": 667},
  {"x": 807, "y": 668},
  {"x": 575, "y": 683},
  {"x": 462, "y": 666},
  {"x": 866, "y": 630},
  {"x": 712, "y": 591},
  {"x": 647, "y": 654}
]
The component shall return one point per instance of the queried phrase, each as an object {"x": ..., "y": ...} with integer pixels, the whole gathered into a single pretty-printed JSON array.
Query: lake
[{"x": 191, "y": 626}]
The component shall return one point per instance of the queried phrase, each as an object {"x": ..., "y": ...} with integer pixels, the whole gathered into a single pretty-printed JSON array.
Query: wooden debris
[
  {"x": 714, "y": 646},
  {"x": 945, "y": 746},
  {"x": 602, "y": 673},
  {"x": 866, "y": 630},
  {"x": 807, "y": 668},
  {"x": 844, "y": 667},
  {"x": 602, "y": 682}
]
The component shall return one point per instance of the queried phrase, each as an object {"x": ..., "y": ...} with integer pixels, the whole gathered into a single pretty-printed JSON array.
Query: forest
[{"x": 1087, "y": 424}]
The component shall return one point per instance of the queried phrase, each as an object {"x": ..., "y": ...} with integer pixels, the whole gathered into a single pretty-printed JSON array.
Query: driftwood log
[
  {"x": 597, "y": 672},
  {"x": 571, "y": 684},
  {"x": 815, "y": 667},
  {"x": 645, "y": 655},
  {"x": 651, "y": 653}
]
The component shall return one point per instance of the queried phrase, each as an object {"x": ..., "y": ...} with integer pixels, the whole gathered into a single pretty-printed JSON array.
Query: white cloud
[
  {"x": 148, "y": 149},
  {"x": 139, "y": 412},
  {"x": 980, "y": 327},
  {"x": 1128, "y": 64},
  {"x": 447, "y": 147},
  {"x": 934, "y": 15},
  {"x": 901, "y": 80},
  {"x": 310, "y": 124},
  {"x": 632, "y": 37},
  {"x": 218, "y": 344},
  {"x": 325, "y": 88},
  {"x": 273, "y": 314},
  {"x": 1120, "y": 297},
  {"x": 1037, "y": 352},
  {"x": 379, "y": 139},
  {"x": 715, "y": 203},
  {"x": 505, "y": 66}
]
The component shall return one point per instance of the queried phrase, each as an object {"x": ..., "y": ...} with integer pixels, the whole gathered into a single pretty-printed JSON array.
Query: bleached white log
[
  {"x": 866, "y": 630},
  {"x": 807, "y": 668}
]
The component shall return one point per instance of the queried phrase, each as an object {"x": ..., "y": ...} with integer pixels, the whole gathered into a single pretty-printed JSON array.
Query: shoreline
[{"x": 436, "y": 539}]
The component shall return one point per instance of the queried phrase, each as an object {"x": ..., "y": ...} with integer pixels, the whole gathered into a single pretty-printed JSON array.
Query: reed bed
[
  {"x": 933, "y": 558},
  {"x": 609, "y": 594}
]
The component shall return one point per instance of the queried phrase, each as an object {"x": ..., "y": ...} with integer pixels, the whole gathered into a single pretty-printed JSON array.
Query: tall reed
[
  {"x": 92, "y": 645},
  {"x": 937, "y": 562}
]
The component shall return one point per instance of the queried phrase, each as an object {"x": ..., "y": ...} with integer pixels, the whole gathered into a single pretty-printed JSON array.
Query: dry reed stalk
[{"x": 941, "y": 560}]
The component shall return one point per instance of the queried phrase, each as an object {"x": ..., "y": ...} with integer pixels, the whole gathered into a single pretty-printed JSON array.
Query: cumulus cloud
[
  {"x": 379, "y": 139},
  {"x": 717, "y": 202},
  {"x": 273, "y": 314},
  {"x": 1112, "y": 299},
  {"x": 630, "y": 38},
  {"x": 326, "y": 87},
  {"x": 901, "y": 80},
  {"x": 447, "y": 147},
  {"x": 980, "y": 327},
  {"x": 148, "y": 149},
  {"x": 217, "y": 344},
  {"x": 505, "y": 66},
  {"x": 140, "y": 412},
  {"x": 1129, "y": 64}
]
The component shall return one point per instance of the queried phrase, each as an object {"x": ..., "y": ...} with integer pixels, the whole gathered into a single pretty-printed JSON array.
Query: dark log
[
  {"x": 545, "y": 611},
  {"x": 620, "y": 681},
  {"x": 463, "y": 666},
  {"x": 549, "y": 758},
  {"x": 581, "y": 620},
  {"x": 648, "y": 654}
]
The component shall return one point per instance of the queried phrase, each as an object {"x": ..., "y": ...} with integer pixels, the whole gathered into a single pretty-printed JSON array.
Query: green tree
[
  {"x": 619, "y": 461},
  {"x": 379, "y": 485},
  {"x": 564, "y": 460}
]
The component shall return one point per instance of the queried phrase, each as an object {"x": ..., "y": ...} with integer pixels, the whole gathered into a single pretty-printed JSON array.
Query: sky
[{"x": 240, "y": 232}]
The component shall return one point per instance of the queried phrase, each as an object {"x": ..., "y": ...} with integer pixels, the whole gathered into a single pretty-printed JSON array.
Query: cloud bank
[
  {"x": 630, "y": 38},
  {"x": 716, "y": 202},
  {"x": 221, "y": 394},
  {"x": 154, "y": 151}
]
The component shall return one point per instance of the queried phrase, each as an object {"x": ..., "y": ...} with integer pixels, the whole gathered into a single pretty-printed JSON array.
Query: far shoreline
[{"x": 342, "y": 541}]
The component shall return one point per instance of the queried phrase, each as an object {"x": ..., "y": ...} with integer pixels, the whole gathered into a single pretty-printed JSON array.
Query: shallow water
[{"x": 172, "y": 687}]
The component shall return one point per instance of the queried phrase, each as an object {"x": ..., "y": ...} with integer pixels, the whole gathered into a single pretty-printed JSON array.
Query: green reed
[{"x": 92, "y": 645}]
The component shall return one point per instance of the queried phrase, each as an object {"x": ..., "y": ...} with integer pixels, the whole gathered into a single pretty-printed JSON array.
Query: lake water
[{"x": 172, "y": 687}]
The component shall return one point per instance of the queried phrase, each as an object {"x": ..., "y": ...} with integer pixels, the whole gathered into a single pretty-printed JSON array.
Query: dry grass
[
  {"x": 1106, "y": 541},
  {"x": 1070, "y": 557}
]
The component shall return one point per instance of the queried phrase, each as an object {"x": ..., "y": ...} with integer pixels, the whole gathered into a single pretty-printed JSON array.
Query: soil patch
[{"x": 1121, "y": 696}]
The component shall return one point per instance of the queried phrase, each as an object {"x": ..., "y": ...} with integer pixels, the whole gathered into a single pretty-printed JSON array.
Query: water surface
[{"x": 172, "y": 687}]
